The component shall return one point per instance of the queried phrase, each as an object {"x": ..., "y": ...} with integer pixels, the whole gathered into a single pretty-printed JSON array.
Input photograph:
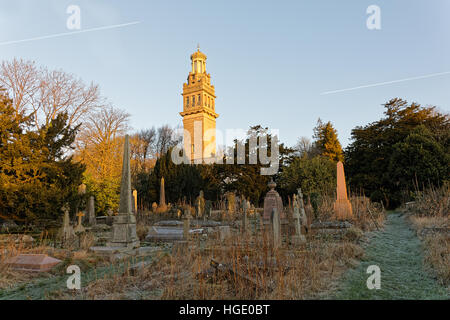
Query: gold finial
[{"x": 198, "y": 47}]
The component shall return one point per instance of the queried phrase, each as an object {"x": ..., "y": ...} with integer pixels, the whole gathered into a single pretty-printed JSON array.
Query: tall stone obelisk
[
  {"x": 162, "y": 197},
  {"x": 342, "y": 206},
  {"x": 124, "y": 226}
]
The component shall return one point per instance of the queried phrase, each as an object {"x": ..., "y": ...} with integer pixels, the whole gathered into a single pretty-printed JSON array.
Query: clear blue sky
[{"x": 269, "y": 60}]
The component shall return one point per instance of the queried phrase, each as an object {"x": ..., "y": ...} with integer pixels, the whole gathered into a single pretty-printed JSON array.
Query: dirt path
[{"x": 399, "y": 254}]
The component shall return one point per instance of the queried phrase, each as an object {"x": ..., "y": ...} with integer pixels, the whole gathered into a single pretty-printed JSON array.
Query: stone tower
[{"x": 199, "y": 116}]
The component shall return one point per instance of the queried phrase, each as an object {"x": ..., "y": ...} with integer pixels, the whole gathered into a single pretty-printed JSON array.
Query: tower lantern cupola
[{"x": 198, "y": 62}]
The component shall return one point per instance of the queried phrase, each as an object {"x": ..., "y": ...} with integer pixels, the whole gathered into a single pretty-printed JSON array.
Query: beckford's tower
[{"x": 199, "y": 117}]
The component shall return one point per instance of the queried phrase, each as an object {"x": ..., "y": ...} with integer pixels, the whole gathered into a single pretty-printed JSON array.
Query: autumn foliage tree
[
  {"x": 37, "y": 174},
  {"x": 407, "y": 148},
  {"x": 100, "y": 148},
  {"x": 326, "y": 141}
]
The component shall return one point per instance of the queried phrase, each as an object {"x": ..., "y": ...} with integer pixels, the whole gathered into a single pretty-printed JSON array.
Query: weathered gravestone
[
  {"x": 162, "y": 207},
  {"x": 276, "y": 227},
  {"x": 272, "y": 201},
  {"x": 200, "y": 204},
  {"x": 91, "y": 211},
  {"x": 66, "y": 233},
  {"x": 244, "y": 215},
  {"x": 208, "y": 208},
  {"x": 186, "y": 223},
  {"x": 135, "y": 201},
  {"x": 231, "y": 202},
  {"x": 301, "y": 206},
  {"x": 156, "y": 233},
  {"x": 298, "y": 236}
]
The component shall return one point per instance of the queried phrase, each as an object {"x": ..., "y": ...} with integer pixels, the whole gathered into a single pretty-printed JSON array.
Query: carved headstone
[
  {"x": 276, "y": 227},
  {"x": 208, "y": 208},
  {"x": 244, "y": 215},
  {"x": 231, "y": 202},
  {"x": 135, "y": 201},
  {"x": 342, "y": 206},
  {"x": 91, "y": 211},
  {"x": 298, "y": 237},
  {"x": 271, "y": 201},
  {"x": 124, "y": 226},
  {"x": 200, "y": 204},
  {"x": 66, "y": 233},
  {"x": 186, "y": 223},
  {"x": 301, "y": 206}
]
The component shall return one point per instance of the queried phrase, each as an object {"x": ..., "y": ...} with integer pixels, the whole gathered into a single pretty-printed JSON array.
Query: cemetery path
[{"x": 399, "y": 254}]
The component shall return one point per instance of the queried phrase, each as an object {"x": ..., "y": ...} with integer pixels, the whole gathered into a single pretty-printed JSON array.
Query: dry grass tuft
[
  {"x": 438, "y": 255},
  {"x": 141, "y": 231},
  {"x": 429, "y": 215},
  {"x": 368, "y": 215}
]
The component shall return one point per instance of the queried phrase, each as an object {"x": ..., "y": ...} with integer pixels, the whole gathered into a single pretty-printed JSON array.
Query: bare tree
[
  {"x": 104, "y": 126},
  {"x": 62, "y": 92},
  {"x": 21, "y": 80},
  {"x": 303, "y": 147},
  {"x": 148, "y": 137},
  {"x": 164, "y": 140},
  {"x": 99, "y": 143},
  {"x": 141, "y": 146},
  {"x": 46, "y": 93}
]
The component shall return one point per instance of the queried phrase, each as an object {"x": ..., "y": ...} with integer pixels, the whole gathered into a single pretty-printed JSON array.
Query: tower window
[
  {"x": 198, "y": 102},
  {"x": 187, "y": 101},
  {"x": 193, "y": 100}
]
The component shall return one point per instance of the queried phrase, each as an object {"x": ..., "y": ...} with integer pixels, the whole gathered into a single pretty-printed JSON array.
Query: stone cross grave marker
[{"x": 79, "y": 227}]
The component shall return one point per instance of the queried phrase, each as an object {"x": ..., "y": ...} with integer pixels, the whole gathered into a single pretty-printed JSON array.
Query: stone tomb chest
[{"x": 32, "y": 262}]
